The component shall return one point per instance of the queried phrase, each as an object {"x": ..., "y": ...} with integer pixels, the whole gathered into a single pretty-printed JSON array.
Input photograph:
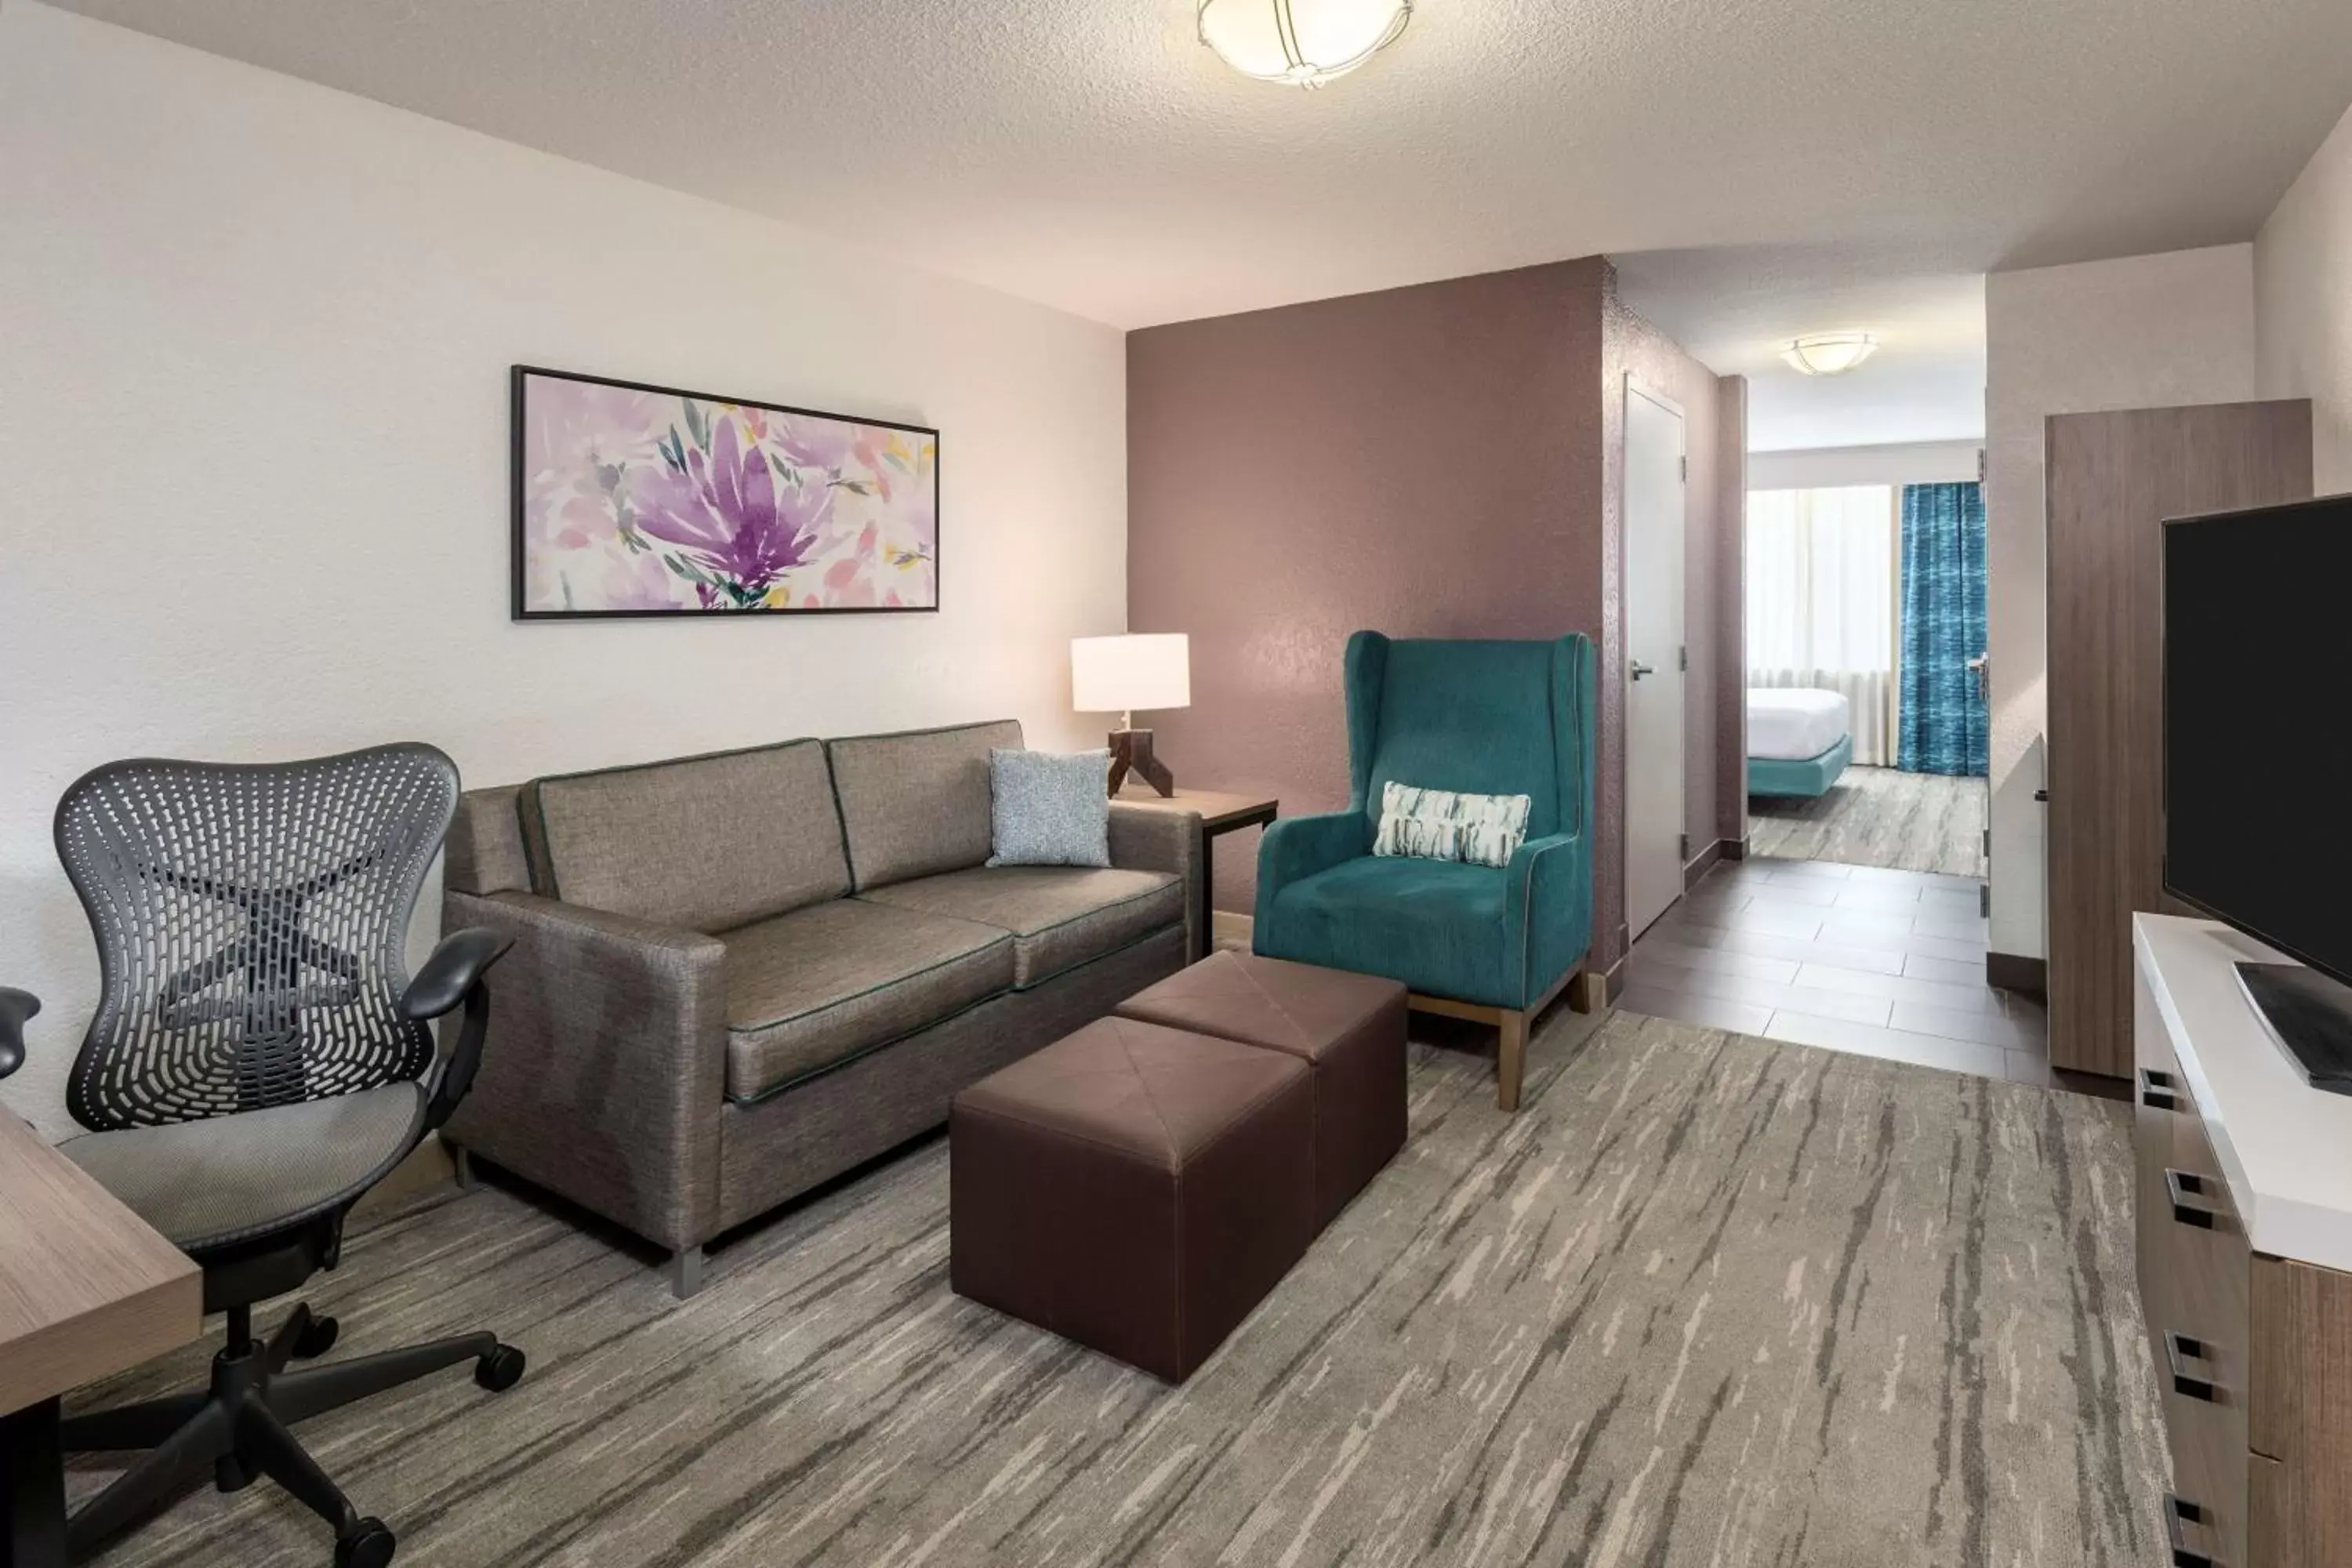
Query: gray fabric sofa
[{"x": 735, "y": 977}]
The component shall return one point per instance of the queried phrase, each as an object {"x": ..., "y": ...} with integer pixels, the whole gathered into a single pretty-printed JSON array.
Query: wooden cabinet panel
[
  {"x": 2297, "y": 1516},
  {"x": 2158, "y": 1094},
  {"x": 2111, "y": 479},
  {"x": 2202, "y": 1362},
  {"x": 2301, "y": 1410}
]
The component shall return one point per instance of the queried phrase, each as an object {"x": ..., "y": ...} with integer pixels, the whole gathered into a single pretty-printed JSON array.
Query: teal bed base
[{"x": 1806, "y": 779}]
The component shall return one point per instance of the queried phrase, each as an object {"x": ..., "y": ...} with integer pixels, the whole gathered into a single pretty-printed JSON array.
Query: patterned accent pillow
[
  {"x": 1447, "y": 824},
  {"x": 1049, "y": 810}
]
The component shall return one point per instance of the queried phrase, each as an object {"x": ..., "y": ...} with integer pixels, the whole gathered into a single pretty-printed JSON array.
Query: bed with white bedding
[{"x": 1799, "y": 739}]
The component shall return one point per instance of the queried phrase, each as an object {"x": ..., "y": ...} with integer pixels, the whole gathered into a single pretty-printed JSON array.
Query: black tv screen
[{"x": 2258, "y": 725}]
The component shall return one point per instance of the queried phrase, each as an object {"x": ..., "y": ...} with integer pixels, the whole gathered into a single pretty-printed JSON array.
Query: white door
[{"x": 1654, "y": 482}]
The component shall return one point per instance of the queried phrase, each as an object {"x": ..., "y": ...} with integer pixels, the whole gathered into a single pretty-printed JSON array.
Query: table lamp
[{"x": 1122, "y": 674}]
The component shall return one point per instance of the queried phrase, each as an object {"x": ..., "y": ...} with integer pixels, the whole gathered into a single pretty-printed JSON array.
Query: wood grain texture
[
  {"x": 2299, "y": 1510},
  {"x": 2207, "y": 1302},
  {"x": 1215, "y": 808},
  {"x": 2156, "y": 1101},
  {"x": 87, "y": 1289},
  {"x": 2112, "y": 480}
]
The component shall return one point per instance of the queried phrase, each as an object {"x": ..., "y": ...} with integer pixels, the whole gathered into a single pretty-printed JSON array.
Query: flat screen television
[{"x": 2258, "y": 756}]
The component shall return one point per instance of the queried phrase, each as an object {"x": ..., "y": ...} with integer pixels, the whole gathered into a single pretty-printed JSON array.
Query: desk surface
[
  {"x": 1215, "y": 808},
  {"x": 2285, "y": 1148},
  {"x": 86, "y": 1288}
]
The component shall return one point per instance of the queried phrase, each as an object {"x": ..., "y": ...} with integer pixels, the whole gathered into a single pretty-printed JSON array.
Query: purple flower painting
[{"x": 642, "y": 500}]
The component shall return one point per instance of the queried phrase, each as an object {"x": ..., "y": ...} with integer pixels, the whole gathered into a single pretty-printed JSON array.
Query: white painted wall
[
  {"x": 1896, "y": 463},
  {"x": 2303, "y": 304},
  {"x": 2145, "y": 332},
  {"x": 254, "y": 341}
]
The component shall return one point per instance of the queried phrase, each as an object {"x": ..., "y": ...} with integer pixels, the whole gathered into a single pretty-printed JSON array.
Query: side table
[{"x": 1219, "y": 814}]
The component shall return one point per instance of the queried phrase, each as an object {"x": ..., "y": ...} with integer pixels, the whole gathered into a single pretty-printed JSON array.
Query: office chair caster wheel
[
  {"x": 317, "y": 1339},
  {"x": 500, "y": 1370},
  {"x": 367, "y": 1544}
]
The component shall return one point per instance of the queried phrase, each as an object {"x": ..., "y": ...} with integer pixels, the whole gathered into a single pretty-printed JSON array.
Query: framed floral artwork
[{"x": 647, "y": 500}]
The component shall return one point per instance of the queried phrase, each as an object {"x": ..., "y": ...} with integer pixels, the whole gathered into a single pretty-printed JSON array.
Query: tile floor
[{"x": 1867, "y": 959}]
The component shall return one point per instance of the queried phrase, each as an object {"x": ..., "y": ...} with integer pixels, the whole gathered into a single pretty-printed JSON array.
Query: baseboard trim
[
  {"x": 1225, "y": 926},
  {"x": 2015, "y": 971},
  {"x": 1701, "y": 864},
  {"x": 1737, "y": 848},
  {"x": 1612, "y": 980}
]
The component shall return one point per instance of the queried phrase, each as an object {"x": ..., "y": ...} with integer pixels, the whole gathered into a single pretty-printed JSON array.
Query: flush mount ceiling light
[
  {"x": 1830, "y": 353},
  {"x": 1304, "y": 42}
]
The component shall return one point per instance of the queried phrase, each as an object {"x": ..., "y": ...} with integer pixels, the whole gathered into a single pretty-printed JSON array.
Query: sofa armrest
[
  {"x": 603, "y": 1068},
  {"x": 1296, "y": 847},
  {"x": 1154, "y": 838},
  {"x": 1547, "y": 909}
]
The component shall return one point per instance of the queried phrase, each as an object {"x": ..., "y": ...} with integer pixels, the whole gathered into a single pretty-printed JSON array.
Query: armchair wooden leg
[{"x": 1511, "y": 1061}]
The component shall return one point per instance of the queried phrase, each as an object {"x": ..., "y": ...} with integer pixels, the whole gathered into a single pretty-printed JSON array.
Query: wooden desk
[
  {"x": 1219, "y": 813},
  {"x": 87, "y": 1289}
]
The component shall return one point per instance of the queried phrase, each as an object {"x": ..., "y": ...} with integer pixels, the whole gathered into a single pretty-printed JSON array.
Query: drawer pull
[
  {"x": 2157, "y": 1091},
  {"x": 2185, "y": 1188},
  {"x": 2178, "y": 1349},
  {"x": 2180, "y": 1512}
]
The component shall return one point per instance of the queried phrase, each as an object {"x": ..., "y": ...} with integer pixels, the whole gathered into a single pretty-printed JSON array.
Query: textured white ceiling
[
  {"x": 1091, "y": 154},
  {"x": 1736, "y": 308}
]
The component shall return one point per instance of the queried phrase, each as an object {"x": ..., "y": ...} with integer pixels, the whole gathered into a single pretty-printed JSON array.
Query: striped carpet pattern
[
  {"x": 1707, "y": 1300},
  {"x": 1877, "y": 816}
]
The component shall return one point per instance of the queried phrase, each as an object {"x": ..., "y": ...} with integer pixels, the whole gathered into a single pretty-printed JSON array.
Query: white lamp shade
[
  {"x": 1307, "y": 42},
  {"x": 1127, "y": 674}
]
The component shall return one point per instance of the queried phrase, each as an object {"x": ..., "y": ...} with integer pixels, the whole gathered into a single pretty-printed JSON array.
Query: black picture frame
[{"x": 521, "y": 373}]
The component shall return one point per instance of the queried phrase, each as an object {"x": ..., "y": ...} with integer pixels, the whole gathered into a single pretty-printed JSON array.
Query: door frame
[{"x": 1634, "y": 387}]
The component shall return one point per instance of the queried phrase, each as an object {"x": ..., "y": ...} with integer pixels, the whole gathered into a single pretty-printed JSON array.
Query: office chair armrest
[
  {"x": 455, "y": 967},
  {"x": 15, "y": 1006},
  {"x": 453, "y": 975}
]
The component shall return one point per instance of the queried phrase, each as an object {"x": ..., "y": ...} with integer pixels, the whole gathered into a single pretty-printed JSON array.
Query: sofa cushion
[
  {"x": 700, "y": 844},
  {"x": 916, "y": 803},
  {"x": 812, "y": 988},
  {"x": 1060, "y": 916},
  {"x": 1437, "y": 925}
]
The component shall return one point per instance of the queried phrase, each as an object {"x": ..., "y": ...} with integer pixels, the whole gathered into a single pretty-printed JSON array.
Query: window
[{"x": 1820, "y": 602}]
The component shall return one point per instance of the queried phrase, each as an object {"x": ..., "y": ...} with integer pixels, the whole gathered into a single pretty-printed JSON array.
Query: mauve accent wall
[{"x": 1429, "y": 461}]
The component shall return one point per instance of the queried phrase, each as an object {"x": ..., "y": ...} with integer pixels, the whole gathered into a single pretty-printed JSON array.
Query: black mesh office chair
[{"x": 258, "y": 1060}]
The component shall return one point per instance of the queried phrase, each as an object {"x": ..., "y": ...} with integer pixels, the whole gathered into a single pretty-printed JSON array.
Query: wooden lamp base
[{"x": 1130, "y": 753}]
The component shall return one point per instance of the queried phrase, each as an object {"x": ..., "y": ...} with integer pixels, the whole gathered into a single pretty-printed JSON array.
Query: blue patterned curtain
[{"x": 1941, "y": 722}]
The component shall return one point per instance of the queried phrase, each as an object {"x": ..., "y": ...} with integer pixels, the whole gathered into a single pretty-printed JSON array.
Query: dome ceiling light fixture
[
  {"x": 1830, "y": 353},
  {"x": 1303, "y": 42}
]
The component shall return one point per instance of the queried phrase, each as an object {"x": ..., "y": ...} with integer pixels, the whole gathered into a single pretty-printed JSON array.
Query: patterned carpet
[
  {"x": 1877, "y": 816},
  {"x": 1707, "y": 1300}
]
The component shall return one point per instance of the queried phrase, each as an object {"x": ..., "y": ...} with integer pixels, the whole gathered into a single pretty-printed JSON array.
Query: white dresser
[{"x": 2244, "y": 1215}]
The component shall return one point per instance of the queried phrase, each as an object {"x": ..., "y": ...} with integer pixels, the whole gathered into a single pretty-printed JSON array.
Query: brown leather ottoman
[
  {"x": 1349, "y": 1029},
  {"x": 1135, "y": 1188}
]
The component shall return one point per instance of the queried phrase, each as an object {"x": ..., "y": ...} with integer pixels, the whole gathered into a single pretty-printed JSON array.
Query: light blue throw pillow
[{"x": 1049, "y": 810}]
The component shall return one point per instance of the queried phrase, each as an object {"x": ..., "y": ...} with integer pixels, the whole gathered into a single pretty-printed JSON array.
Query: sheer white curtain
[{"x": 1820, "y": 602}]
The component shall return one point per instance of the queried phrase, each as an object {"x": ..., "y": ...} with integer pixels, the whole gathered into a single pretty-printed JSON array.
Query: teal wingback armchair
[{"x": 1494, "y": 943}]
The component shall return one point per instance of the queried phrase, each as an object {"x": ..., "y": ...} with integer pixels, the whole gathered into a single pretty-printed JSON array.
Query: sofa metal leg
[
  {"x": 686, "y": 1272},
  {"x": 463, "y": 1162},
  {"x": 1511, "y": 1061}
]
